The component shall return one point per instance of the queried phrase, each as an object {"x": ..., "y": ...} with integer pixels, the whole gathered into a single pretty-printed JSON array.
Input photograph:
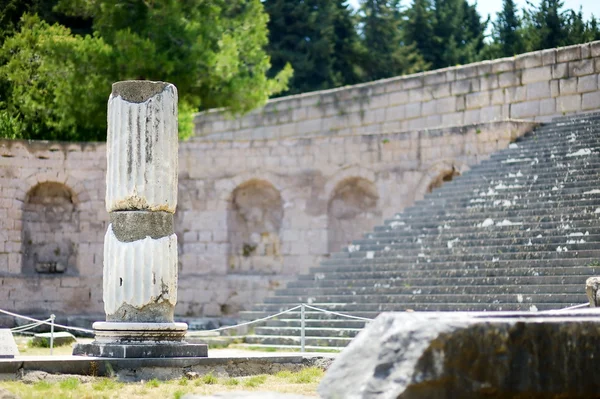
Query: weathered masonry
[{"x": 265, "y": 197}]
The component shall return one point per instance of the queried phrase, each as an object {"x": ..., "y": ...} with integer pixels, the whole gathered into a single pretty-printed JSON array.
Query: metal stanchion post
[
  {"x": 52, "y": 317},
  {"x": 302, "y": 326}
]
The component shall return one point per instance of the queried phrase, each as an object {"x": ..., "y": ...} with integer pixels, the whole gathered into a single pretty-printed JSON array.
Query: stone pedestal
[{"x": 140, "y": 246}]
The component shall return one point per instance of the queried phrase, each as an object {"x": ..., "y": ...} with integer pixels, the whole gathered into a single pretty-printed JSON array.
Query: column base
[
  {"x": 141, "y": 350},
  {"x": 140, "y": 340}
]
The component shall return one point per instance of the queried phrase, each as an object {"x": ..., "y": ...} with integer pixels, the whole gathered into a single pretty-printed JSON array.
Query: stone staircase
[{"x": 520, "y": 231}]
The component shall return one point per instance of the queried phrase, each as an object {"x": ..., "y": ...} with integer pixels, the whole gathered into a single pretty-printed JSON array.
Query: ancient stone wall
[
  {"x": 533, "y": 86},
  {"x": 251, "y": 213},
  {"x": 267, "y": 196}
]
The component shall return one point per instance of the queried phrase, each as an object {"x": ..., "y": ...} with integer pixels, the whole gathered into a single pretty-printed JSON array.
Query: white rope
[
  {"x": 45, "y": 322},
  {"x": 254, "y": 321},
  {"x": 583, "y": 305},
  {"x": 338, "y": 314},
  {"x": 26, "y": 327}
]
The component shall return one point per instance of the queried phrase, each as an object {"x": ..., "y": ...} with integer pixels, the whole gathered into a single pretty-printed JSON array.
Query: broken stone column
[
  {"x": 140, "y": 246},
  {"x": 591, "y": 289}
]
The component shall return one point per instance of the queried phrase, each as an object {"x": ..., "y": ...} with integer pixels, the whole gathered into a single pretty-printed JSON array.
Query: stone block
[
  {"x": 591, "y": 101},
  {"x": 595, "y": 49},
  {"x": 395, "y": 112},
  {"x": 560, "y": 71},
  {"x": 453, "y": 119},
  {"x": 568, "y": 103},
  {"x": 417, "y": 95},
  {"x": 464, "y": 86},
  {"x": 548, "y": 106},
  {"x": 433, "y": 78},
  {"x": 478, "y": 100},
  {"x": 460, "y": 355},
  {"x": 515, "y": 94},
  {"x": 536, "y": 74},
  {"x": 585, "y": 51},
  {"x": 587, "y": 83},
  {"x": 549, "y": 56},
  {"x": 569, "y": 53},
  {"x": 488, "y": 82},
  {"x": 497, "y": 97},
  {"x": 554, "y": 88},
  {"x": 413, "y": 110},
  {"x": 440, "y": 90},
  {"x": 507, "y": 79},
  {"x": 398, "y": 97},
  {"x": 528, "y": 60},
  {"x": 538, "y": 90},
  {"x": 413, "y": 82},
  {"x": 581, "y": 68},
  {"x": 525, "y": 109},
  {"x": 466, "y": 72},
  {"x": 472, "y": 117},
  {"x": 502, "y": 65},
  {"x": 567, "y": 86}
]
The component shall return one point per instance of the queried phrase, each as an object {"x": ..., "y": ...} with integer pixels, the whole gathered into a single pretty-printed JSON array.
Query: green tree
[
  {"x": 58, "y": 83},
  {"x": 418, "y": 29},
  {"x": 386, "y": 53},
  {"x": 212, "y": 50},
  {"x": 317, "y": 38},
  {"x": 545, "y": 26},
  {"x": 506, "y": 32}
]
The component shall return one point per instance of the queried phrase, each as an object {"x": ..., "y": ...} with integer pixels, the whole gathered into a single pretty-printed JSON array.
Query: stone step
[
  {"x": 579, "y": 223},
  {"x": 364, "y": 300},
  {"x": 349, "y": 285},
  {"x": 301, "y": 295},
  {"x": 322, "y": 323},
  {"x": 353, "y": 309},
  {"x": 530, "y": 182},
  {"x": 436, "y": 203},
  {"x": 269, "y": 340},
  {"x": 489, "y": 205},
  {"x": 433, "y": 274},
  {"x": 533, "y": 243},
  {"x": 421, "y": 264},
  {"x": 480, "y": 257},
  {"x": 472, "y": 240},
  {"x": 308, "y": 332},
  {"x": 492, "y": 167},
  {"x": 295, "y": 348},
  {"x": 508, "y": 212},
  {"x": 440, "y": 252}
]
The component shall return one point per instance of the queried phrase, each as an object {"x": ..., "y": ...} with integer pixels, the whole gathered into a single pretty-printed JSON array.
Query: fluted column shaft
[{"x": 140, "y": 247}]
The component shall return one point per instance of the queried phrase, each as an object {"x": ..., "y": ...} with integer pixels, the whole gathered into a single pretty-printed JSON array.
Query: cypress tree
[{"x": 506, "y": 30}]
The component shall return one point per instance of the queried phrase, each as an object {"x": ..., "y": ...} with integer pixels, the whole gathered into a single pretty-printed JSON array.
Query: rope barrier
[
  {"x": 338, "y": 314},
  {"x": 27, "y": 326},
  {"x": 47, "y": 323},
  {"x": 254, "y": 321}
]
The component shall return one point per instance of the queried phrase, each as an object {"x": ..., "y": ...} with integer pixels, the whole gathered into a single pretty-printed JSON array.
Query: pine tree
[
  {"x": 347, "y": 52},
  {"x": 418, "y": 29},
  {"x": 545, "y": 26},
  {"x": 506, "y": 31},
  {"x": 387, "y": 55}
]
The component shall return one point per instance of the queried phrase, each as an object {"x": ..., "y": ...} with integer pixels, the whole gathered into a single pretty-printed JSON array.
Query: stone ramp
[{"x": 519, "y": 231}]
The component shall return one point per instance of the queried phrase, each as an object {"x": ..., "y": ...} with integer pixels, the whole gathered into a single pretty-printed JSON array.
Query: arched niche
[
  {"x": 50, "y": 229},
  {"x": 254, "y": 221},
  {"x": 352, "y": 210}
]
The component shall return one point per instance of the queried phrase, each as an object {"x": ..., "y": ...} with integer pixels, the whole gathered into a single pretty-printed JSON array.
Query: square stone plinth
[{"x": 141, "y": 350}]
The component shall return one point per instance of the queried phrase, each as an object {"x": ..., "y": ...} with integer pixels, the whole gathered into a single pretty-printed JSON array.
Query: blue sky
[{"x": 491, "y": 7}]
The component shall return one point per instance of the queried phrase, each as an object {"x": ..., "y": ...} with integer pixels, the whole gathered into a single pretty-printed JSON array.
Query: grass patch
[
  {"x": 69, "y": 384},
  {"x": 231, "y": 382},
  {"x": 303, "y": 382},
  {"x": 255, "y": 381}
]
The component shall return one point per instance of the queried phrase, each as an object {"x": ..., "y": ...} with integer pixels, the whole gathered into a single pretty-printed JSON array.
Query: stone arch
[
  {"x": 352, "y": 210},
  {"x": 254, "y": 221},
  {"x": 437, "y": 174},
  {"x": 50, "y": 229}
]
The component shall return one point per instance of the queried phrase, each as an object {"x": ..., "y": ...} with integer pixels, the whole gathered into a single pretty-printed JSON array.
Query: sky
[{"x": 491, "y": 7}]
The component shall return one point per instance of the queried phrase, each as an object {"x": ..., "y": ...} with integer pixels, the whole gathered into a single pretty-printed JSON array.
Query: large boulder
[{"x": 467, "y": 355}]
